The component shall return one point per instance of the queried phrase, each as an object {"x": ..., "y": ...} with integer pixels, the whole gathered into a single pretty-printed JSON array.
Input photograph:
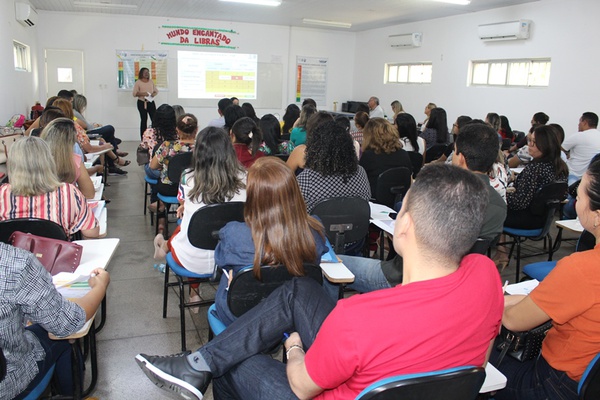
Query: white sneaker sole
[{"x": 168, "y": 382}]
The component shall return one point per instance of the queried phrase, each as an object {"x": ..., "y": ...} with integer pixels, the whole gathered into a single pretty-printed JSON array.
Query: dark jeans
[
  {"x": 234, "y": 356},
  {"x": 533, "y": 380},
  {"x": 58, "y": 352},
  {"x": 148, "y": 109},
  {"x": 107, "y": 132}
]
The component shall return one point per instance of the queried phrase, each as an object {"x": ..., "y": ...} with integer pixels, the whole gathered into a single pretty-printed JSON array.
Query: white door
[{"x": 64, "y": 70}]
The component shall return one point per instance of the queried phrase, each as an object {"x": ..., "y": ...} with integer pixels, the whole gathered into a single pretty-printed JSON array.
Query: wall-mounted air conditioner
[
  {"x": 511, "y": 30},
  {"x": 405, "y": 41},
  {"x": 25, "y": 14}
]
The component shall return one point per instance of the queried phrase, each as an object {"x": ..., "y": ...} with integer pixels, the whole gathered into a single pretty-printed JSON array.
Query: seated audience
[
  {"x": 360, "y": 120},
  {"x": 493, "y": 120},
  {"x": 232, "y": 114},
  {"x": 250, "y": 112},
  {"x": 538, "y": 119},
  {"x": 298, "y": 133},
  {"x": 334, "y": 352},
  {"x": 381, "y": 150},
  {"x": 567, "y": 296},
  {"x": 332, "y": 168},
  {"x": 460, "y": 122},
  {"x": 427, "y": 112},
  {"x": 221, "y": 107},
  {"x": 271, "y": 134},
  {"x": 292, "y": 113},
  {"x": 436, "y": 131},
  {"x": 407, "y": 129},
  {"x": 30, "y": 295},
  {"x": 246, "y": 138},
  {"x": 344, "y": 122},
  {"x": 396, "y": 109},
  {"x": 61, "y": 136},
  {"x": 35, "y": 191},
  {"x": 274, "y": 205},
  {"x": 297, "y": 158},
  {"x": 107, "y": 132},
  {"x": 215, "y": 177},
  {"x": 375, "y": 109},
  {"x": 505, "y": 129}
]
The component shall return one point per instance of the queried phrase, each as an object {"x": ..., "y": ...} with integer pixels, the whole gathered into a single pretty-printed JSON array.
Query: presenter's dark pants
[{"x": 145, "y": 109}]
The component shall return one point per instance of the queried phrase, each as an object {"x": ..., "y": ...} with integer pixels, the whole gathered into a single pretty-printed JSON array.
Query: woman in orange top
[{"x": 569, "y": 297}]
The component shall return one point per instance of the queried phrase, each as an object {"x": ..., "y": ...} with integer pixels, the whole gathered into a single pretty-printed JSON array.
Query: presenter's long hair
[{"x": 276, "y": 214}]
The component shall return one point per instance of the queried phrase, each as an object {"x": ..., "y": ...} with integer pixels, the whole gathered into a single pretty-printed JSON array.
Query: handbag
[
  {"x": 142, "y": 155},
  {"x": 523, "y": 346},
  {"x": 55, "y": 255}
]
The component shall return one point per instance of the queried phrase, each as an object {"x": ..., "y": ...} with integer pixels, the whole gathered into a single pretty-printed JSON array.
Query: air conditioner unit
[
  {"x": 25, "y": 14},
  {"x": 511, "y": 30},
  {"x": 406, "y": 41}
]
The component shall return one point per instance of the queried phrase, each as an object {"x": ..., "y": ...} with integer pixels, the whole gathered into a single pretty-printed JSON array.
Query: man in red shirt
[{"x": 444, "y": 314}]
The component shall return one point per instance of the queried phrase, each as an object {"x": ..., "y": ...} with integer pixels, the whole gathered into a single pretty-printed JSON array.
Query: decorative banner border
[{"x": 173, "y": 35}]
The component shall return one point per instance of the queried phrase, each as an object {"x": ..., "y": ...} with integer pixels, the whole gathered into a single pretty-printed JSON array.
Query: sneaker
[
  {"x": 174, "y": 373},
  {"x": 116, "y": 171}
]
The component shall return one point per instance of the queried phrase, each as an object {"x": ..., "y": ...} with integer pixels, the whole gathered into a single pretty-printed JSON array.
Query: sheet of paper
[
  {"x": 524, "y": 287},
  {"x": 379, "y": 211}
]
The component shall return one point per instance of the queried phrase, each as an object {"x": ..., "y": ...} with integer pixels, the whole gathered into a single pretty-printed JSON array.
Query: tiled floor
[{"x": 135, "y": 322}]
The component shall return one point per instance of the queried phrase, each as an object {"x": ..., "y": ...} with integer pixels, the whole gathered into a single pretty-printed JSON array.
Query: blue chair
[
  {"x": 245, "y": 291},
  {"x": 462, "y": 383},
  {"x": 544, "y": 204},
  {"x": 203, "y": 233},
  {"x": 177, "y": 164},
  {"x": 539, "y": 270},
  {"x": 147, "y": 193},
  {"x": 39, "y": 390},
  {"x": 589, "y": 384}
]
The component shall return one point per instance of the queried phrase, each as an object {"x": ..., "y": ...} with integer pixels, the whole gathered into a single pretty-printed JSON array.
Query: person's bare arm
[
  {"x": 35, "y": 125},
  {"x": 84, "y": 183},
  {"x": 301, "y": 383},
  {"x": 91, "y": 301},
  {"x": 522, "y": 314},
  {"x": 296, "y": 159},
  {"x": 154, "y": 164},
  {"x": 93, "y": 233},
  {"x": 514, "y": 162}
]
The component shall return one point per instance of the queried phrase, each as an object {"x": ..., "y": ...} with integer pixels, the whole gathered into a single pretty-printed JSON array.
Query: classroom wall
[
  {"x": 17, "y": 88},
  {"x": 99, "y": 36},
  {"x": 563, "y": 30}
]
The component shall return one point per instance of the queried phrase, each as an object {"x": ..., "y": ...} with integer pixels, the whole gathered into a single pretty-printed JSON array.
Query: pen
[
  {"x": 504, "y": 287},
  {"x": 286, "y": 336}
]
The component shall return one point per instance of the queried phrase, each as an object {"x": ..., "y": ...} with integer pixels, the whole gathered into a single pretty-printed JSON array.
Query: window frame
[
  {"x": 398, "y": 66},
  {"x": 507, "y": 64},
  {"x": 21, "y": 56}
]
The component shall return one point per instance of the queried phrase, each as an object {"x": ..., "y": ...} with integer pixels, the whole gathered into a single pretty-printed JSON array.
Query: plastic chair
[
  {"x": 147, "y": 193},
  {"x": 35, "y": 226},
  {"x": 589, "y": 384},
  {"x": 39, "y": 390},
  {"x": 545, "y": 203},
  {"x": 392, "y": 185},
  {"x": 245, "y": 291},
  {"x": 539, "y": 270},
  {"x": 462, "y": 383},
  {"x": 203, "y": 233},
  {"x": 346, "y": 220},
  {"x": 177, "y": 164}
]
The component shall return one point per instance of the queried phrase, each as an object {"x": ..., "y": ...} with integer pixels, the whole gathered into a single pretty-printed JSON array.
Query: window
[
  {"x": 510, "y": 72},
  {"x": 408, "y": 73},
  {"x": 22, "y": 56}
]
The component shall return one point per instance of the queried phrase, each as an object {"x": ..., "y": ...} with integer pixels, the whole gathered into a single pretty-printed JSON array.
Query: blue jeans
[
  {"x": 234, "y": 356},
  {"x": 533, "y": 380},
  {"x": 368, "y": 276}
]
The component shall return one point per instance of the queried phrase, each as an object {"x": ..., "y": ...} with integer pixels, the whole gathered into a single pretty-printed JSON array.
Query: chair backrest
[
  {"x": 589, "y": 384},
  {"x": 481, "y": 246},
  {"x": 416, "y": 159},
  {"x": 35, "y": 226},
  {"x": 434, "y": 152},
  {"x": 2, "y": 365},
  {"x": 246, "y": 291},
  {"x": 392, "y": 185},
  {"x": 461, "y": 383},
  {"x": 177, "y": 164},
  {"x": 586, "y": 241},
  {"x": 346, "y": 220},
  {"x": 550, "y": 195},
  {"x": 206, "y": 222}
]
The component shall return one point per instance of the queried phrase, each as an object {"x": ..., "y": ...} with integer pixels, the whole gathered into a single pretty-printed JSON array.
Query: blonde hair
[
  {"x": 61, "y": 136},
  {"x": 31, "y": 168},
  {"x": 65, "y": 106},
  {"x": 380, "y": 136}
]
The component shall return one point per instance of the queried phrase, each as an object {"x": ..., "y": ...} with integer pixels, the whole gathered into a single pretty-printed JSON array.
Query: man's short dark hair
[
  {"x": 443, "y": 199},
  {"x": 232, "y": 114},
  {"x": 591, "y": 119},
  {"x": 541, "y": 118},
  {"x": 224, "y": 103},
  {"x": 478, "y": 143},
  {"x": 65, "y": 94}
]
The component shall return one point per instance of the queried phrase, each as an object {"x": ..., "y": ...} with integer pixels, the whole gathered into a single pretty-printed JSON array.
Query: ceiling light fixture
[
  {"x": 271, "y": 3},
  {"x": 104, "y": 5},
  {"x": 320, "y": 22},
  {"x": 457, "y": 2}
]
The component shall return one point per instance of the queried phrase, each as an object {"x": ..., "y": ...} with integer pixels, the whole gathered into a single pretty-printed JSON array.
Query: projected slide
[{"x": 216, "y": 75}]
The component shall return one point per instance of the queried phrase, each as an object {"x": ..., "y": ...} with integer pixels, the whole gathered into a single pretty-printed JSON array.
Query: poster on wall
[
  {"x": 311, "y": 79},
  {"x": 129, "y": 64}
]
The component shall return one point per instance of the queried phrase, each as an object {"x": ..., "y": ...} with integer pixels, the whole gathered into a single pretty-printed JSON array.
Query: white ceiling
[{"x": 363, "y": 14}]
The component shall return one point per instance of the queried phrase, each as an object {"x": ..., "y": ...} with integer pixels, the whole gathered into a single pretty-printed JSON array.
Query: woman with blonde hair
[
  {"x": 381, "y": 150},
  {"x": 35, "y": 191},
  {"x": 61, "y": 136},
  {"x": 277, "y": 230}
]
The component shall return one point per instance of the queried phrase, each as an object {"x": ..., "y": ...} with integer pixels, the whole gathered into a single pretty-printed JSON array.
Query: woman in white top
[
  {"x": 145, "y": 90},
  {"x": 407, "y": 129},
  {"x": 216, "y": 177}
]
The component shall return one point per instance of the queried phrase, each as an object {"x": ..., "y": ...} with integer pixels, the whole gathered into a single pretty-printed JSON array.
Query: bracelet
[{"x": 292, "y": 347}]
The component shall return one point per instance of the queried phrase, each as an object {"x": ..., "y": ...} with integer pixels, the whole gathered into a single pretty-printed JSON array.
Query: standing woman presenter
[{"x": 145, "y": 90}]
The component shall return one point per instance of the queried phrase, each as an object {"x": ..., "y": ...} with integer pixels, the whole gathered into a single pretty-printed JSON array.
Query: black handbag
[
  {"x": 142, "y": 155},
  {"x": 522, "y": 346}
]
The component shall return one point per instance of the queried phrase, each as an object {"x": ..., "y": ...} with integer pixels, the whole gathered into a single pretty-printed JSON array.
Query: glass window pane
[
  {"x": 415, "y": 74},
  {"x": 480, "y": 74},
  {"x": 403, "y": 73},
  {"x": 393, "y": 73},
  {"x": 540, "y": 73},
  {"x": 497, "y": 74},
  {"x": 427, "y": 72},
  {"x": 518, "y": 74},
  {"x": 65, "y": 75}
]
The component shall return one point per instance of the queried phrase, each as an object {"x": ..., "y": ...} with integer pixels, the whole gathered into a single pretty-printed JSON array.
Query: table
[
  {"x": 572, "y": 225},
  {"x": 494, "y": 380}
]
